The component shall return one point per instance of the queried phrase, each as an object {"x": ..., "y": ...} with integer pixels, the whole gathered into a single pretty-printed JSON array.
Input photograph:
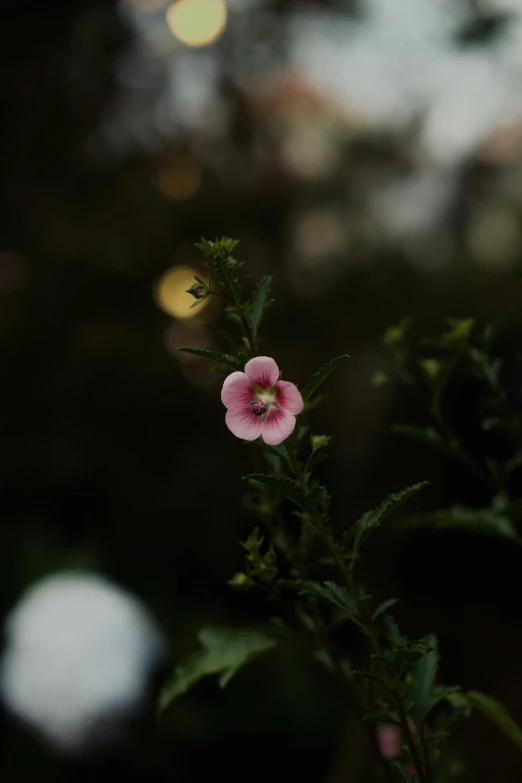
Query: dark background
[{"x": 115, "y": 455}]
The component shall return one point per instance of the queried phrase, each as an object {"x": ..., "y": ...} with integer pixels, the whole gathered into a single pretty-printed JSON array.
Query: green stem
[{"x": 372, "y": 633}]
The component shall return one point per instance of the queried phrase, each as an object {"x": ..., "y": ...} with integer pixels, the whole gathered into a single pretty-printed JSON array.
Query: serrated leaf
[
  {"x": 315, "y": 380},
  {"x": 223, "y": 651},
  {"x": 383, "y": 607},
  {"x": 260, "y": 303},
  {"x": 488, "y": 521},
  {"x": 357, "y": 534},
  {"x": 332, "y": 593},
  {"x": 401, "y": 659},
  {"x": 316, "y": 499},
  {"x": 495, "y": 711},
  {"x": 392, "y": 631},
  {"x": 214, "y": 356}
]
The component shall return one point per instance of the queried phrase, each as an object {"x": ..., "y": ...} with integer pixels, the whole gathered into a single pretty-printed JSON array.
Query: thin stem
[
  {"x": 371, "y": 632},
  {"x": 456, "y": 447}
]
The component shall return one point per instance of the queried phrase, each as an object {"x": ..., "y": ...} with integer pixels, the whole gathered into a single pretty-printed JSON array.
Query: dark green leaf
[
  {"x": 401, "y": 659},
  {"x": 316, "y": 499},
  {"x": 357, "y": 534},
  {"x": 383, "y": 607},
  {"x": 392, "y": 631},
  {"x": 260, "y": 303},
  {"x": 333, "y": 594},
  {"x": 420, "y": 697},
  {"x": 321, "y": 375},
  {"x": 197, "y": 302},
  {"x": 494, "y": 711},
  {"x": 214, "y": 356},
  {"x": 223, "y": 651},
  {"x": 488, "y": 521}
]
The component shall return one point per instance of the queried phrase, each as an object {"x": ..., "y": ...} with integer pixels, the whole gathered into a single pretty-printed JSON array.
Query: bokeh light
[
  {"x": 178, "y": 179},
  {"x": 170, "y": 292},
  {"x": 197, "y": 22},
  {"x": 79, "y": 655}
]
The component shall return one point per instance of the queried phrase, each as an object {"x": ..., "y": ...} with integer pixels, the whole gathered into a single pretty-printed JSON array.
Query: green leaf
[
  {"x": 315, "y": 380},
  {"x": 316, "y": 499},
  {"x": 357, "y": 534},
  {"x": 420, "y": 697},
  {"x": 223, "y": 651},
  {"x": 214, "y": 356},
  {"x": 260, "y": 303},
  {"x": 488, "y": 521},
  {"x": 333, "y": 594},
  {"x": 383, "y": 606},
  {"x": 401, "y": 659},
  {"x": 197, "y": 302},
  {"x": 494, "y": 711},
  {"x": 392, "y": 631}
]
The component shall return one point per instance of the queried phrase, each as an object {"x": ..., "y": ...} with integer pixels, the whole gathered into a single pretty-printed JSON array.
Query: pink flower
[
  {"x": 260, "y": 404},
  {"x": 389, "y": 741}
]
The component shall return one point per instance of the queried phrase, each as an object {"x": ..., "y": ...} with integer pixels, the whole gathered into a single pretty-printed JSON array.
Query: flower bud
[{"x": 198, "y": 291}]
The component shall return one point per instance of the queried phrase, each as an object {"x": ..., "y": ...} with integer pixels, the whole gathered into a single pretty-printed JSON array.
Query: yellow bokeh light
[
  {"x": 170, "y": 292},
  {"x": 178, "y": 179},
  {"x": 197, "y": 22}
]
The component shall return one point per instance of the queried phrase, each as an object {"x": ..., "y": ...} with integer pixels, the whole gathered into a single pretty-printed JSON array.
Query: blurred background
[{"x": 368, "y": 153}]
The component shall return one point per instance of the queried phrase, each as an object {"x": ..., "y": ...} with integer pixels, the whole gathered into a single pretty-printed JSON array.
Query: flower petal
[
  {"x": 288, "y": 396},
  {"x": 278, "y": 426},
  {"x": 263, "y": 371},
  {"x": 389, "y": 741},
  {"x": 243, "y": 423},
  {"x": 237, "y": 391}
]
